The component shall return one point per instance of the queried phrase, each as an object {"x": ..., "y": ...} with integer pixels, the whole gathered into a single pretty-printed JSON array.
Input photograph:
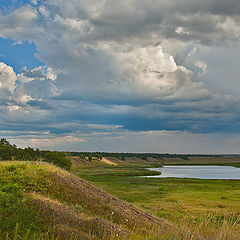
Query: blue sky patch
[
  {"x": 7, "y": 6},
  {"x": 20, "y": 55}
]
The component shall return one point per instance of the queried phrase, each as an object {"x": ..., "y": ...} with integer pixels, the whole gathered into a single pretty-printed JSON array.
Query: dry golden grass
[
  {"x": 66, "y": 220},
  {"x": 96, "y": 201}
]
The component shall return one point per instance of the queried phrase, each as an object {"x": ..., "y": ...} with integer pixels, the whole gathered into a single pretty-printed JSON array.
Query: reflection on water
[{"x": 202, "y": 172}]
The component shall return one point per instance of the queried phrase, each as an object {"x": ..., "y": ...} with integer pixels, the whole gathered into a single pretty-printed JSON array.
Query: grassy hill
[{"x": 41, "y": 201}]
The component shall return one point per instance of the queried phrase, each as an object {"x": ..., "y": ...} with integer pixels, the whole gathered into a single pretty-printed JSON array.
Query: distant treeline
[
  {"x": 144, "y": 156},
  {"x": 12, "y": 152},
  {"x": 123, "y": 156}
]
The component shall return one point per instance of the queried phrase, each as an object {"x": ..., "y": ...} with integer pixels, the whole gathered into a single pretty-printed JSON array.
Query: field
[
  {"x": 111, "y": 199},
  {"x": 204, "y": 204},
  {"x": 231, "y": 161}
]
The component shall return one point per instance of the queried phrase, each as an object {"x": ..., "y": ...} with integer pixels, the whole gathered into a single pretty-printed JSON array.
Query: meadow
[
  {"x": 205, "y": 206},
  {"x": 112, "y": 199}
]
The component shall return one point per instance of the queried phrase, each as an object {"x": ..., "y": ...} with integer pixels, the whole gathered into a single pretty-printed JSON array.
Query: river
[{"x": 201, "y": 172}]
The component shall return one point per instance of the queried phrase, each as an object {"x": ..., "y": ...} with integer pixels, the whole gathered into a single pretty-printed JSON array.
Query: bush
[
  {"x": 57, "y": 159},
  {"x": 11, "y": 152}
]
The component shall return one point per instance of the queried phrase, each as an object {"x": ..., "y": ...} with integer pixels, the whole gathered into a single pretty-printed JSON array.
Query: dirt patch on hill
[
  {"x": 105, "y": 160},
  {"x": 76, "y": 161}
]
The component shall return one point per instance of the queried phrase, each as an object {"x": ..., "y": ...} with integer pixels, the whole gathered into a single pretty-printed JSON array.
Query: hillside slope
[{"x": 39, "y": 198}]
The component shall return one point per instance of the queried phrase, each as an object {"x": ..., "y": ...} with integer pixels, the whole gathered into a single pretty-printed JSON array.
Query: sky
[{"x": 121, "y": 76}]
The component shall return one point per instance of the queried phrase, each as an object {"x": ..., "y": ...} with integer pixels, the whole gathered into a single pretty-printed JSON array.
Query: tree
[
  {"x": 6, "y": 150},
  {"x": 57, "y": 159}
]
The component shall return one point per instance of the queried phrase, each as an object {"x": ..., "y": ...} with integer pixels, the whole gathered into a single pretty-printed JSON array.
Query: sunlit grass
[
  {"x": 208, "y": 227},
  {"x": 35, "y": 195},
  {"x": 195, "y": 206}
]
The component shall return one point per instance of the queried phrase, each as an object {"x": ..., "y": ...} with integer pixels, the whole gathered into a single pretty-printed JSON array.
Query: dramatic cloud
[
  {"x": 204, "y": 21},
  {"x": 18, "y": 24},
  {"x": 7, "y": 80},
  {"x": 117, "y": 66}
]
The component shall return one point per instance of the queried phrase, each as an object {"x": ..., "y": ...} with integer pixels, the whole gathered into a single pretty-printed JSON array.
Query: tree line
[
  {"x": 123, "y": 156},
  {"x": 144, "y": 156},
  {"x": 9, "y": 152}
]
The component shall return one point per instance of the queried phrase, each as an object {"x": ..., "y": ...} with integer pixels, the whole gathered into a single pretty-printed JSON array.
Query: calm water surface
[{"x": 202, "y": 172}]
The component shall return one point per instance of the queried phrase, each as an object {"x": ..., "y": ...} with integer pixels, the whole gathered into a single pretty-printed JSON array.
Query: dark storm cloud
[
  {"x": 116, "y": 66},
  {"x": 201, "y": 21}
]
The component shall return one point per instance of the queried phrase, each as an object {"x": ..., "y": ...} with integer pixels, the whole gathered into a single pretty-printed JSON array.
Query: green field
[
  {"x": 41, "y": 201},
  {"x": 211, "y": 202},
  {"x": 227, "y": 161}
]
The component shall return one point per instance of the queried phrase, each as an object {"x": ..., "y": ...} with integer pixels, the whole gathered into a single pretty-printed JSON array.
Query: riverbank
[{"x": 194, "y": 201}]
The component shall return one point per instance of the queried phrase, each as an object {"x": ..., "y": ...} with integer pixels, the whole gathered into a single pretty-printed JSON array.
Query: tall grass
[
  {"x": 29, "y": 184},
  {"x": 208, "y": 228}
]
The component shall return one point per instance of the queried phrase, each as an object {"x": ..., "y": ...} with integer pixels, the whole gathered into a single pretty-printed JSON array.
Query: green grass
[
  {"x": 41, "y": 199},
  {"x": 16, "y": 180},
  {"x": 224, "y": 161},
  {"x": 172, "y": 198},
  {"x": 36, "y": 199},
  {"x": 19, "y": 216}
]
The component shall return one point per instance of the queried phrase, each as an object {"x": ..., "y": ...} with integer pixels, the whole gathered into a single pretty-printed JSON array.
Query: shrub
[{"x": 57, "y": 159}]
